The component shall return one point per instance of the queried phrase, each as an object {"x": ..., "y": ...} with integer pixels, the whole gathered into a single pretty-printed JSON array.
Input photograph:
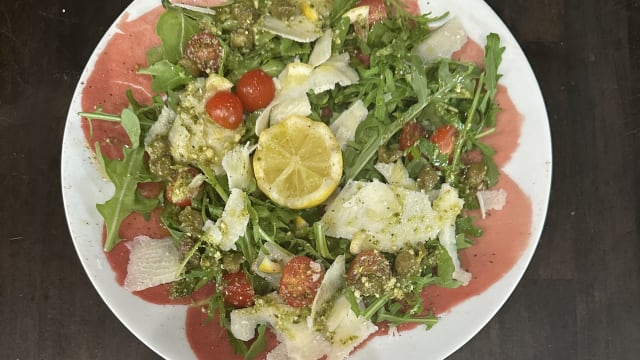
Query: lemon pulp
[{"x": 298, "y": 162}]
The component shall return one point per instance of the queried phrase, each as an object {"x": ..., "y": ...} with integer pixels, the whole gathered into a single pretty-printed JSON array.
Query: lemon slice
[{"x": 298, "y": 162}]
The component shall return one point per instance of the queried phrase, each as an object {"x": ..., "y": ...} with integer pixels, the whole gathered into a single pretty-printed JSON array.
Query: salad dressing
[{"x": 505, "y": 232}]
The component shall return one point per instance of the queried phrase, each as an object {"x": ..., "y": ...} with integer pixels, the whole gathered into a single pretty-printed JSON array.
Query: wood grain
[{"x": 579, "y": 299}]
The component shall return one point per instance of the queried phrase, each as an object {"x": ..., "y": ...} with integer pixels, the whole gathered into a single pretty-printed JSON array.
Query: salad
[{"x": 315, "y": 160}]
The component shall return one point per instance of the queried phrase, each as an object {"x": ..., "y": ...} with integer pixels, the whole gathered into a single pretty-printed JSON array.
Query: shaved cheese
[
  {"x": 358, "y": 14},
  {"x": 194, "y": 185},
  {"x": 344, "y": 127},
  {"x": 278, "y": 353},
  {"x": 332, "y": 282},
  {"x": 299, "y": 105},
  {"x": 444, "y": 204},
  {"x": 215, "y": 83},
  {"x": 162, "y": 126},
  {"x": 237, "y": 165},
  {"x": 202, "y": 9},
  {"x": 294, "y": 75},
  {"x": 151, "y": 262},
  {"x": 350, "y": 332},
  {"x": 443, "y": 41},
  {"x": 447, "y": 238},
  {"x": 393, "y": 332},
  {"x": 346, "y": 328},
  {"x": 299, "y": 341},
  {"x": 334, "y": 71},
  {"x": 231, "y": 225},
  {"x": 322, "y": 49},
  {"x": 262, "y": 122},
  {"x": 321, "y": 74},
  {"x": 300, "y": 28},
  {"x": 387, "y": 217},
  {"x": 396, "y": 174},
  {"x": 491, "y": 200}
]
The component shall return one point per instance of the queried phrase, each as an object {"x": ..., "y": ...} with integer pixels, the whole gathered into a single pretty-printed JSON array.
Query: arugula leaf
[
  {"x": 492, "y": 60},
  {"x": 155, "y": 54},
  {"x": 147, "y": 114},
  {"x": 125, "y": 175},
  {"x": 395, "y": 318},
  {"x": 445, "y": 264},
  {"x": 445, "y": 269},
  {"x": 131, "y": 124},
  {"x": 339, "y": 7},
  {"x": 175, "y": 29},
  {"x": 259, "y": 344},
  {"x": 321, "y": 241},
  {"x": 432, "y": 152},
  {"x": 167, "y": 76}
]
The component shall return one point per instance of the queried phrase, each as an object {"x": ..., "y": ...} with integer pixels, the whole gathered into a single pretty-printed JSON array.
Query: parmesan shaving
[
  {"x": 491, "y": 200},
  {"x": 231, "y": 225},
  {"x": 151, "y": 262}
]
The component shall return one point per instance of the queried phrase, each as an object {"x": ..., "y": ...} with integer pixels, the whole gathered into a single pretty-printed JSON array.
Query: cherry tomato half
[
  {"x": 172, "y": 197},
  {"x": 205, "y": 51},
  {"x": 445, "y": 138},
  {"x": 300, "y": 280},
  {"x": 377, "y": 10},
  {"x": 225, "y": 108},
  {"x": 238, "y": 290},
  {"x": 255, "y": 89},
  {"x": 178, "y": 191},
  {"x": 411, "y": 133}
]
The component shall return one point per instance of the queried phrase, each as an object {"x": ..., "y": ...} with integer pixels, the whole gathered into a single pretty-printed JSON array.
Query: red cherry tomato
[
  {"x": 205, "y": 50},
  {"x": 238, "y": 290},
  {"x": 172, "y": 197},
  {"x": 177, "y": 191},
  {"x": 377, "y": 10},
  {"x": 300, "y": 280},
  {"x": 255, "y": 89},
  {"x": 445, "y": 138},
  {"x": 411, "y": 133},
  {"x": 225, "y": 108},
  {"x": 364, "y": 59}
]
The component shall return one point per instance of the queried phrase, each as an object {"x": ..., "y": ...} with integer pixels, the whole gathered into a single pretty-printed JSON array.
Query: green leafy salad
[{"x": 313, "y": 160}]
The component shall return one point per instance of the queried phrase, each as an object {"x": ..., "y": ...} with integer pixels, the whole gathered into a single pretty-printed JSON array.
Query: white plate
[{"x": 162, "y": 327}]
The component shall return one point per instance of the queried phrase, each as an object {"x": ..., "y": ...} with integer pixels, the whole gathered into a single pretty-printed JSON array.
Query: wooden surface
[{"x": 580, "y": 298}]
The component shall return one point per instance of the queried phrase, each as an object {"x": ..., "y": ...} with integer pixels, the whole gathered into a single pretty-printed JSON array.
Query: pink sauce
[
  {"x": 209, "y": 340},
  {"x": 505, "y": 232},
  {"x": 114, "y": 73}
]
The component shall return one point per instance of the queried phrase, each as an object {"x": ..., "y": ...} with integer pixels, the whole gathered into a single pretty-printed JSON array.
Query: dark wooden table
[{"x": 580, "y": 298}]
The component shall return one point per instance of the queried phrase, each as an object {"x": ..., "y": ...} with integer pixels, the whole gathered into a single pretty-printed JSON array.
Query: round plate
[{"x": 162, "y": 327}]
